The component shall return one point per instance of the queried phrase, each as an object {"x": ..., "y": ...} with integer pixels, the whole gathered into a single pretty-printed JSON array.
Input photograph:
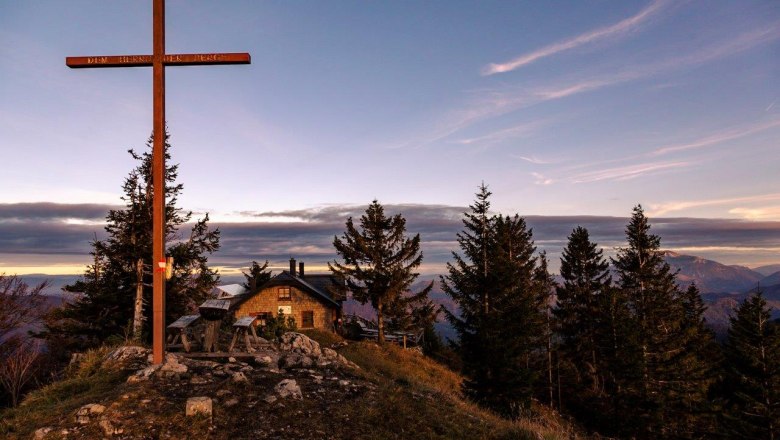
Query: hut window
[
  {"x": 307, "y": 319},
  {"x": 284, "y": 293}
]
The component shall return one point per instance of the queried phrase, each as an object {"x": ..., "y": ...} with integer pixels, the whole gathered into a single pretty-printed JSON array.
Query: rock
[
  {"x": 40, "y": 433},
  {"x": 239, "y": 377},
  {"x": 198, "y": 380},
  {"x": 232, "y": 360},
  {"x": 85, "y": 412},
  {"x": 295, "y": 360},
  {"x": 129, "y": 353},
  {"x": 198, "y": 405},
  {"x": 173, "y": 365},
  {"x": 264, "y": 360},
  {"x": 300, "y": 343},
  {"x": 223, "y": 392},
  {"x": 288, "y": 388},
  {"x": 344, "y": 383},
  {"x": 108, "y": 428},
  {"x": 231, "y": 402},
  {"x": 270, "y": 399}
]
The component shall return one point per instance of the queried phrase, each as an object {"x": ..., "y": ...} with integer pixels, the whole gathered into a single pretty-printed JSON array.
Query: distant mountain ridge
[{"x": 711, "y": 276}]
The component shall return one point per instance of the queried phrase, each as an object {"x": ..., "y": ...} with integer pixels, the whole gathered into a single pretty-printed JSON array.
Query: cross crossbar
[{"x": 184, "y": 59}]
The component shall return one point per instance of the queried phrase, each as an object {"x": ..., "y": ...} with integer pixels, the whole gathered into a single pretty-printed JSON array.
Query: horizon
[{"x": 572, "y": 112}]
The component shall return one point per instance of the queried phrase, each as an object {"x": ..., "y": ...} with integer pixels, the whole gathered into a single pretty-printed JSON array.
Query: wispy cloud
[
  {"x": 764, "y": 213},
  {"x": 540, "y": 179},
  {"x": 722, "y": 136},
  {"x": 627, "y": 172},
  {"x": 518, "y": 131},
  {"x": 620, "y": 28},
  {"x": 664, "y": 208},
  {"x": 533, "y": 159}
]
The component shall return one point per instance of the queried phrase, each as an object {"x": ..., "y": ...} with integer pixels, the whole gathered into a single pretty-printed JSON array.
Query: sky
[{"x": 572, "y": 112}]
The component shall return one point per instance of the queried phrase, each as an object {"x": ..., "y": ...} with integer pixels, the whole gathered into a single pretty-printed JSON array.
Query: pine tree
[
  {"x": 379, "y": 263},
  {"x": 753, "y": 370},
  {"x": 500, "y": 321},
  {"x": 118, "y": 283},
  {"x": 583, "y": 322},
  {"x": 468, "y": 285},
  {"x": 257, "y": 276},
  {"x": 691, "y": 413},
  {"x": 546, "y": 286},
  {"x": 578, "y": 312},
  {"x": 654, "y": 342}
]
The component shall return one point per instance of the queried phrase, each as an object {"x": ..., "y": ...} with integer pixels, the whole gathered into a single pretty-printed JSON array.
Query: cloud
[
  {"x": 627, "y": 172},
  {"x": 618, "y": 29},
  {"x": 533, "y": 160},
  {"x": 522, "y": 130},
  {"x": 486, "y": 104},
  {"x": 665, "y": 208},
  {"x": 726, "y": 135},
  {"x": 38, "y": 244},
  {"x": 539, "y": 179},
  {"x": 765, "y": 213}
]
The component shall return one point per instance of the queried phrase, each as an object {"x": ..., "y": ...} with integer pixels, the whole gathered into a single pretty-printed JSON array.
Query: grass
[
  {"x": 49, "y": 405},
  {"x": 402, "y": 395},
  {"x": 422, "y": 398}
]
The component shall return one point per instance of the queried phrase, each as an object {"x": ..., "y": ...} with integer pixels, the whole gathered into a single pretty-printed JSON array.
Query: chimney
[
  {"x": 292, "y": 266},
  {"x": 300, "y": 269}
]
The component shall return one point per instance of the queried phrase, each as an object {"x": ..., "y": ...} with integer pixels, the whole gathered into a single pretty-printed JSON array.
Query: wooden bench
[
  {"x": 243, "y": 328},
  {"x": 182, "y": 329}
]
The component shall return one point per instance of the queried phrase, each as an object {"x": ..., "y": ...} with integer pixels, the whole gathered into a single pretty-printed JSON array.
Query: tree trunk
[
  {"x": 138, "y": 316},
  {"x": 380, "y": 322}
]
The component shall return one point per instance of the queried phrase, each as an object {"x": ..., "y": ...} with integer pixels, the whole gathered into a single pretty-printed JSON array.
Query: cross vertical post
[
  {"x": 158, "y": 60},
  {"x": 158, "y": 182}
]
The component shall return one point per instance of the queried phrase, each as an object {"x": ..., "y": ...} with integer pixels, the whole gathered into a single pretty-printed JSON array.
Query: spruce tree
[
  {"x": 118, "y": 283},
  {"x": 468, "y": 285},
  {"x": 257, "y": 276},
  {"x": 500, "y": 320},
  {"x": 578, "y": 312},
  {"x": 753, "y": 372},
  {"x": 654, "y": 341},
  {"x": 582, "y": 317},
  {"x": 379, "y": 266}
]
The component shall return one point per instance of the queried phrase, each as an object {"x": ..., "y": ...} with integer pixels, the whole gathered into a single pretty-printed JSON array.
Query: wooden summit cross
[{"x": 158, "y": 60}]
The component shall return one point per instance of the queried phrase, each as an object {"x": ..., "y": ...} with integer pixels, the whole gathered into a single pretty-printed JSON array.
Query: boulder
[
  {"x": 288, "y": 388},
  {"x": 238, "y": 377},
  {"x": 198, "y": 405},
  {"x": 300, "y": 343},
  {"x": 130, "y": 357},
  {"x": 41, "y": 433},
  {"x": 300, "y": 351},
  {"x": 84, "y": 414}
]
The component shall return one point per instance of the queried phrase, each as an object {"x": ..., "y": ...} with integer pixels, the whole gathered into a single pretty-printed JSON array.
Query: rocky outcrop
[{"x": 300, "y": 351}]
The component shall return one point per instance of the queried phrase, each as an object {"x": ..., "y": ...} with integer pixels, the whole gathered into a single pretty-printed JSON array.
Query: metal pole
[{"x": 158, "y": 182}]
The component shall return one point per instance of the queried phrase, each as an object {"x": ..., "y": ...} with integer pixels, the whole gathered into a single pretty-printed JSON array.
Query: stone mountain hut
[{"x": 310, "y": 299}]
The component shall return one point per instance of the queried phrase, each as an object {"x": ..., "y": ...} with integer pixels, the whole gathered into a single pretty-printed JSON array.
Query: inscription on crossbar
[{"x": 185, "y": 59}]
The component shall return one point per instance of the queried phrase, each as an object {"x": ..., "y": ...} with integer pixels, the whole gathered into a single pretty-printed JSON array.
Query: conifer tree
[
  {"x": 753, "y": 370},
  {"x": 691, "y": 410},
  {"x": 118, "y": 283},
  {"x": 583, "y": 321},
  {"x": 500, "y": 321},
  {"x": 468, "y": 285},
  {"x": 579, "y": 314},
  {"x": 378, "y": 267},
  {"x": 546, "y": 286},
  {"x": 257, "y": 276},
  {"x": 654, "y": 341}
]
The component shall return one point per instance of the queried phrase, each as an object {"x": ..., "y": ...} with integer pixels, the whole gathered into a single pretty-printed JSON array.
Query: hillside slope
[{"x": 395, "y": 394}]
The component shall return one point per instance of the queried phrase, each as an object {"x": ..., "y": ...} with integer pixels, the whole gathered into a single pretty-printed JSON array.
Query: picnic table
[{"x": 182, "y": 330}]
